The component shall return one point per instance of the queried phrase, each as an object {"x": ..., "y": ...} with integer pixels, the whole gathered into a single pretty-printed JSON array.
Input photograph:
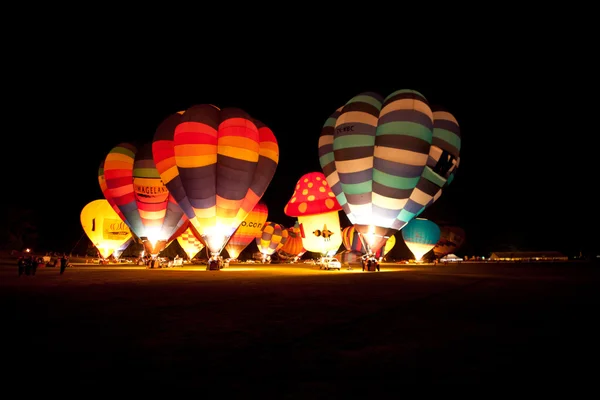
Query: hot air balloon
[
  {"x": 106, "y": 192},
  {"x": 381, "y": 161},
  {"x": 293, "y": 247},
  {"x": 218, "y": 164},
  {"x": 136, "y": 187},
  {"x": 316, "y": 207},
  {"x": 103, "y": 226},
  {"x": 451, "y": 238},
  {"x": 190, "y": 243},
  {"x": 273, "y": 237},
  {"x": 249, "y": 229},
  {"x": 420, "y": 236},
  {"x": 352, "y": 242}
]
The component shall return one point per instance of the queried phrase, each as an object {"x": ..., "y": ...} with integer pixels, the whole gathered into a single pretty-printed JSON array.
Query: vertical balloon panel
[
  {"x": 106, "y": 192},
  {"x": 401, "y": 150},
  {"x": 249, "y": 229},
  {"x": 273, "y": 237},
  {"x": 118, "y": 171}
]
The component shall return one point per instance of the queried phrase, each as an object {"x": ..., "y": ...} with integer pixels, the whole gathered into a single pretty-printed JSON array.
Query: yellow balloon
[
  {"x": 104, "y": 227},
  {"x": 389, "y": 244},
  {"x": 190, "y": 243}
]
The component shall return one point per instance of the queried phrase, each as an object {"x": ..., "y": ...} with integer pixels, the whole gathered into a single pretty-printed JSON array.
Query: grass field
[{"x": 298, "y": 332}]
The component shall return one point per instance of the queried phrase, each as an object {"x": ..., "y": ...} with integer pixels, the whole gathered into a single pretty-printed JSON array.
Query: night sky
[{"x": 523, "y": 182}]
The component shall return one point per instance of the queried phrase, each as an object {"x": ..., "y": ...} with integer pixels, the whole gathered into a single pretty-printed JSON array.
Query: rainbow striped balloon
[
  {"x": 273, "y": 238},
  {"x": 218, "y": 164},
  {"x": 249, "y": 229},
  {"x": 136, "y": 187}
]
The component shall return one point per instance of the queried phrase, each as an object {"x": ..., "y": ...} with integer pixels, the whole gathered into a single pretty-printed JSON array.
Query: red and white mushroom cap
[{"x": 312, "y": 195}]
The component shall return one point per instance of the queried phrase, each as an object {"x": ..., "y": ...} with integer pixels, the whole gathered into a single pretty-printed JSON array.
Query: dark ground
[{"x": 303, "y": 332}]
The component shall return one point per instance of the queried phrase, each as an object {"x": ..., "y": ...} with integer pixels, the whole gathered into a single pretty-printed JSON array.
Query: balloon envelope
[
  {"x": 104, "y": 227},
  {"x": 190, "y": 243},
  {"x": 451, "y": 238},
  {"x": 136, "y": 187},
  {"x": 381, "y": 160},
  {"x": 273, "y": 237},
  {"x": 249, "y": 229},
  {"x": 420, "y": 236},
  {"x": 218, "y": 164}
]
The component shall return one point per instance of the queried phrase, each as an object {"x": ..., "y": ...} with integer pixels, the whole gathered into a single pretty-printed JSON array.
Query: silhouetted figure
[
  {"x": 21, "y": 263},
  {"x": 63, "y": 263}
]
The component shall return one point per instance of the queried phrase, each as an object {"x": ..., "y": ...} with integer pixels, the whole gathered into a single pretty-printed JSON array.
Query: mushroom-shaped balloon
[{"x": 316, "y": 208}]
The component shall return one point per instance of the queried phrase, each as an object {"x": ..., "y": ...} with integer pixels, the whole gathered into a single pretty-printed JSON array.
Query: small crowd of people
[
  {"x": 369, "y": 263},
  {"x": 28, "y": 263}
]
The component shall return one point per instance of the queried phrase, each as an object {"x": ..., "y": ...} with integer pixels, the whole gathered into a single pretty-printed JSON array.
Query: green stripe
[
  {"x": 405, "y": 128},
  {"x": 404, "y": 91},
  {"x": 341, "y": 198},
  {"x": 357, "y": 188},
  {"x": 366, "y": 99},
  {"x": 447, "y": 136},
  {"x": 326, "y": 159},
  {"x": 396, "y": 182},
  {"x": 146, "y": 173},
  {"x": 123, "y": 150},
  {"x": 433, "y": 177},
  {"x": 405, "y": 216},
  {"x": 330, "y": 122},
  {"x": 344, "y": 142}
]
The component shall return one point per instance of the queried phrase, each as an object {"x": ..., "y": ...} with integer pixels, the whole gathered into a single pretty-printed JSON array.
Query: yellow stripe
[
  {"x": 184, "y": 150},
  {"x": 196, "y": 161},
  {"x": 406, "y": 157},
  {"x": 203, "y": 213},
  {"x": 356, "y": 117},
  {"x": 239, "y": 141},
  {"x": 168, "y": 175},
  {"x": 239, "y": 153},
  {"x": 407, "y": 104},
  {"x": 444, "y": 115}
]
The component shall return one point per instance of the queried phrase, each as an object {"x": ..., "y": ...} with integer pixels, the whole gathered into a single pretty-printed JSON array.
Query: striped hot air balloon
[
  {"x": 106, "y": 192},
  {"x": 273, "y": 237},
  {"x": 352, "y": 242},
  {"x": 382, "y": 162},
  {"x": 190, "y": 243},
  {"x": 249, "y": 229},
  {"x": 218, "y": 164},
  {"x": 451, "y": 238},
  {"x": 136, "y": 187},
  {"x": 293, "y": 247}
]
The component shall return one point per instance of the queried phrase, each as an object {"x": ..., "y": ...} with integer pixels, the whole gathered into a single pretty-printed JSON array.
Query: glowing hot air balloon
[
  {"x": 383, "y": 163},
  {"x": 352, "y": 242},
  {"x": 103, "y": 226},
  {"x": 249, "y": 229},
  {"x": 218, "y": 164},
  {"x": 293, "y": 247},
  {"x": 106, "y": 192},
  {"x": 190, "y": 243},
  {"x": 136, "y": 187},
  {"x": 273, "y": 238},
  {"x": 420, "y": 236},
  {"x": 317, "y": 209}
]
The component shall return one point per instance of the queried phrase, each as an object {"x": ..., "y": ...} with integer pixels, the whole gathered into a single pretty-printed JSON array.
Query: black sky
[{"x": 525, "y": 179}]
